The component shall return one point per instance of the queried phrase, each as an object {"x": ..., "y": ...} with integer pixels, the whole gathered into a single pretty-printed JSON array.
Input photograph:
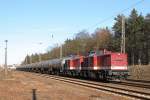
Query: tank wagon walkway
[{"x": 27, "y": 86}]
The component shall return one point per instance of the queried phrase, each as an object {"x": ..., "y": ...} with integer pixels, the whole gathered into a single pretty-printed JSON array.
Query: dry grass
[
  {"x": 9, "y": 74},
  {"x": 140, "y": 72},
  {"x": 22, "y": 85}
]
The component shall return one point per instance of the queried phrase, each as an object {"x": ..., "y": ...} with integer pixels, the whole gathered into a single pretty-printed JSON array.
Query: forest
[{"x": 137, "y": 37}]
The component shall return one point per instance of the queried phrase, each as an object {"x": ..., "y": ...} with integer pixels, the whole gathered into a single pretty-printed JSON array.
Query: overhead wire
[{"x": 106, "y": 19}]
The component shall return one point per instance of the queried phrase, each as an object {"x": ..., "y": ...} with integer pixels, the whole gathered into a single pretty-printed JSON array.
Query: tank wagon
[{"x": 105, "y": 65}]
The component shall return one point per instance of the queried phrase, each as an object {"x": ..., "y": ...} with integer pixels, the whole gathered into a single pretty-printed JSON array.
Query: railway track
[
  {"x": 95, "y": 85},
  {"x": 133, "y": 84},
  {"x": 141, "y": 81}
]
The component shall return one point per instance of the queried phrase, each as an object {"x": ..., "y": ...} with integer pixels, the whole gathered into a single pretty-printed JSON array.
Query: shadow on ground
[{"x": 34, "y": 97}]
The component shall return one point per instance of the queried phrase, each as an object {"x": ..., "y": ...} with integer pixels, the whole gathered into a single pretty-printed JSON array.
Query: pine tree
[
  {"x": 147, "y": 38},
  {"x": 135, "y": 34}
]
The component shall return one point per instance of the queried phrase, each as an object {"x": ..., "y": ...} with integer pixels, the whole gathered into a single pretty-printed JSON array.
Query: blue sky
[{"x": 25, "y": 23}]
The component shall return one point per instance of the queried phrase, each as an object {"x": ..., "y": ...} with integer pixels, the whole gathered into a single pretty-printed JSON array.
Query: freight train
[{"x": 104, "y": 65}]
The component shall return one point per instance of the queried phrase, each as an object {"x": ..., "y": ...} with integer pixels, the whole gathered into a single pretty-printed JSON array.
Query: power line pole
[
  {"x": 60, "y": 51},
  {"x": 40, "y": 58},
  {"x": 123, "y": 35},
  {"x": 6, "y": 58},
  {"x": 26, "y": 60},
  {"x": 30, "y": 59}
]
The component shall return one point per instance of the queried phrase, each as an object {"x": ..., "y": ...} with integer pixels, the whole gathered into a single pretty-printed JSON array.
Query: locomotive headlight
[
  {"x": 71, "y": 68},
  {"x": 95, "y": 68}
]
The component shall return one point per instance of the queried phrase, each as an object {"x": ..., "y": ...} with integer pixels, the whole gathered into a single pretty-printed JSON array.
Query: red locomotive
[{"x": 104, "y": 65}]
